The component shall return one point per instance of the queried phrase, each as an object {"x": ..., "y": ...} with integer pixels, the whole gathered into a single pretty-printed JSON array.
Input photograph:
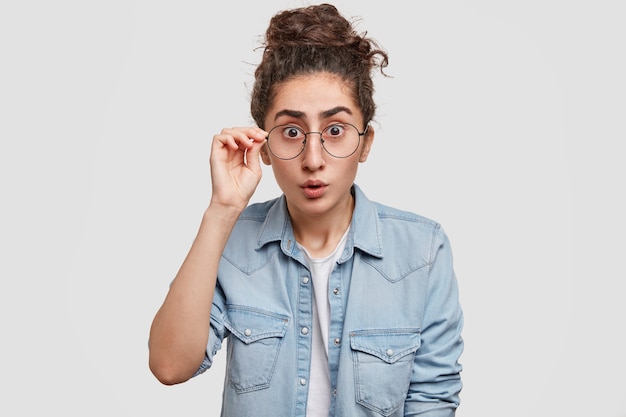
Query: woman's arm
[{"x": 180, "y": 329}]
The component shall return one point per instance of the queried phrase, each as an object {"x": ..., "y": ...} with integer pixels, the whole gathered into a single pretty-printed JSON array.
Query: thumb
[{"x": 253, "y": 157}]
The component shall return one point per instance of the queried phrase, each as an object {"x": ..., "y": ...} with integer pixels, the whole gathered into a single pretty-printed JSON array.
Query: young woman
[{"x": 332, "y": 304}]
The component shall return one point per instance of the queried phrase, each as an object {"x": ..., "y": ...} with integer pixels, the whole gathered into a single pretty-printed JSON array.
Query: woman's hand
[{"x": 235, "y": 165}]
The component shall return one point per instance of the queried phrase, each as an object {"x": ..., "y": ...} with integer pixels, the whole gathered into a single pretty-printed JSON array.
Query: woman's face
[{"x": 316, "y": 183}]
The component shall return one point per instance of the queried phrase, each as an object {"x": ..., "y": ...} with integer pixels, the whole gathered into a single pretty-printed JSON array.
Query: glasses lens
[
  {"x": 341, "y": 139},
  {"x": 286, "y": 141}
]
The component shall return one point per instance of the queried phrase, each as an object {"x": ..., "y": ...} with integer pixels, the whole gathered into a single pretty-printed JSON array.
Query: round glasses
[{"x": 338, "y": 139}]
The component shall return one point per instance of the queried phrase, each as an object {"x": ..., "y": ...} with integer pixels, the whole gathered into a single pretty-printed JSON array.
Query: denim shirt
[{"x": 395, "y": 326}]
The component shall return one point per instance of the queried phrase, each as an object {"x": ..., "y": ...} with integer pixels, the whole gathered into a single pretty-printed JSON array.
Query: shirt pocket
[
  {"x": 383, "y": 362},
  {"x": 254, "y": 349}
]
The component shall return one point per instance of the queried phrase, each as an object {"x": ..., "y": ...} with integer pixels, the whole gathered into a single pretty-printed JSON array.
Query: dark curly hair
[{"x": 315, "y": 39}]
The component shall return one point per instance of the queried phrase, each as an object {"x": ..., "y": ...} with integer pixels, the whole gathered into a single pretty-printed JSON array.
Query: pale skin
[{"x": 317, "y": 189}]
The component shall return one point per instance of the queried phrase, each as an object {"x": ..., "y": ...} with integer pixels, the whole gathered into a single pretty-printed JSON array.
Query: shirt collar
[{"x": 364, "y": 229}]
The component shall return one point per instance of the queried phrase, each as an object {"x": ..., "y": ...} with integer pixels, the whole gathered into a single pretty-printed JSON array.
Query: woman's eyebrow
[
  {"x": 329, "y": 113},
  {"x": 291, "y": 113}
]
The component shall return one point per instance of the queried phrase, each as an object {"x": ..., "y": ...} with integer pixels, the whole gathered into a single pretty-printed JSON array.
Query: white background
[{"x": 504, "y": 121}]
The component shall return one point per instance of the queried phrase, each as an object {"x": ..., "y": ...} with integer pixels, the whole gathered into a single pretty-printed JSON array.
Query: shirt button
[
  {"x": 389, "y": 352},
  {"x": 337, "y": 341},
  {"x": 334, "y": 393},
  {"x": 336, "y": 291},
  {"x": 247, "y": 332},
  {"x": 302, "y": 381},
  {"x": 305, "y": 280},
  {"x": 304, "y": 330}
]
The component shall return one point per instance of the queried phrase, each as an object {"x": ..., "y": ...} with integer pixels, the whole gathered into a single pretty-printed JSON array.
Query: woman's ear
[
  {"x": 368, "y": 139},
  {"x": 265, "y": 157}
]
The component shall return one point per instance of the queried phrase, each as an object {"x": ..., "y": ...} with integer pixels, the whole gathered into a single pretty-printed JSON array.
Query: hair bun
[{"x": 320, "y": 26}]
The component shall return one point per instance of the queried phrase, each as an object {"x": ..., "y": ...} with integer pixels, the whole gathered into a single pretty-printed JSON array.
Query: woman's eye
[
  {"x": 292, "y": 132},
  {"x": 335, "y": 130}
]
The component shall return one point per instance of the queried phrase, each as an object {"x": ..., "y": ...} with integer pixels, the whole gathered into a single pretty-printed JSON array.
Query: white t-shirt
[{"x": 318, "y": 403}]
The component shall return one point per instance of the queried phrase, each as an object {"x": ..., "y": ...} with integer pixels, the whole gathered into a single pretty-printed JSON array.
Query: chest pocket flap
[
  {"x": 388, "y": 345},
  {"x": 250, "y": 324}
]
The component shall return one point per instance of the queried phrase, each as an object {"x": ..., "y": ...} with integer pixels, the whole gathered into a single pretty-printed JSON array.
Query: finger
[
  {"x": 259, "y": 135},
  {"x": 244, "y": 136},
  {"x": 225, "y": 140},
  {"x": 253, "y": 157}
]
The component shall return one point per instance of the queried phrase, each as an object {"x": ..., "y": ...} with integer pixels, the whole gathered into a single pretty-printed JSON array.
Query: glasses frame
[{"x": 267, "y": 138}]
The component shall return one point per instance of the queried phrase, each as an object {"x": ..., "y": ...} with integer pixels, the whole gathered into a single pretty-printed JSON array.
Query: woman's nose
[{"x": 314, "y": 153}]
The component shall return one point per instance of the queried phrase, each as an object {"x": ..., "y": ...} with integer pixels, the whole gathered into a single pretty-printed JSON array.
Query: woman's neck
[{"x": 320, "y": 235}]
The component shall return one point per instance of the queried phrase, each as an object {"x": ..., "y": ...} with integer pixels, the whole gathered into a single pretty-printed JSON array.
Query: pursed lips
[{"x": 314, "y": 188}]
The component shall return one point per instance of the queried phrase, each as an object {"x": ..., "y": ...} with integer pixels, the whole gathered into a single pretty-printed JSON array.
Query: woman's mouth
[{"x": 314, "y": 189}]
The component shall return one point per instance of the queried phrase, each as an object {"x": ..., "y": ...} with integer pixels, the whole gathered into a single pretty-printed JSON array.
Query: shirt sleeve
[
  {"x": 217, "y": 332},
  {"x": 435, "y": 379}
]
